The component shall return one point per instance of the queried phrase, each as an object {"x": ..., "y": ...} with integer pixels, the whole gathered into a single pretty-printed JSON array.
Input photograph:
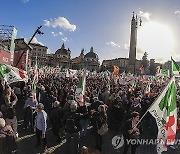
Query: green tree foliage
[{"x": 145, "y": 61}]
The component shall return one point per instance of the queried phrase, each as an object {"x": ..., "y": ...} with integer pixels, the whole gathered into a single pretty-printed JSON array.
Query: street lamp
[{"x": 38, "y": 31}]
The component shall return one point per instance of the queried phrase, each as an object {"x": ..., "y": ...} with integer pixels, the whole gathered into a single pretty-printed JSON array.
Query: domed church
[
  {"x": 90, "y": 61},
  {"x": 62, "y": 57}
]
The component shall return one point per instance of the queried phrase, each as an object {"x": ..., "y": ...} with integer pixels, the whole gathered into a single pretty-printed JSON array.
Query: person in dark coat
[
  {"x": 132, "y": 131},
  {"x": 51, "y": 100},
  {"x": 8, "y": 144},
  {"x": 56, "y": 117},
  {"x": 116, "y": 115},
  {"x": 72, "y": 129},
  {"x": 43, "y": 98},
  {"x": 97, "y": 120},
  {"x": 136, "y": 106}
]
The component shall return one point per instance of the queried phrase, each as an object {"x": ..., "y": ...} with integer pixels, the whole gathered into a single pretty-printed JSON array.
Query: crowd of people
[{"x": 54, "y": 104}]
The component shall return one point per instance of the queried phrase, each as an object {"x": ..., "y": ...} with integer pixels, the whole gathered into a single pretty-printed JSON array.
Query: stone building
[
  {"x": 39, "y": 51},
  {"x": 21, "y": 46},
  {"x": 122, "y": 63},
  {"x": 34, "y": 50},
  {"x": 61, "y": 58},
  {"x": 78, "y": 62},
  {"x": 90, "y": 61}
]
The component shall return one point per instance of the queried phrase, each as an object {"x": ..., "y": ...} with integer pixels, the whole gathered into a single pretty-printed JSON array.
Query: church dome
[
  {"x": 63, "y": 51},
  {"x": 91, "y": 54}
]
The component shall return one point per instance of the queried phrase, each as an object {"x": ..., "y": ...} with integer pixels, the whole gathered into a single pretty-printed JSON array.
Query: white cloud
[
  {"x": 140, "y": 50},
  {"x": 159, "y": 59},
  {"x": 177, "y": 13},
  {"x": 146, "y": 15},
  {"x": 25, "y": 1},
  {"x": 65, "y": 39},
  {"x": 54, "y": 34},
  {"x": 60, "y": 33},
  {"x": 111, "y": 43},
  {"x": 61, "y": 22},
  {"x": 47, "y": 23},
  {"x": 34, "y": 40},
  {"x": 126, "y": 46}
]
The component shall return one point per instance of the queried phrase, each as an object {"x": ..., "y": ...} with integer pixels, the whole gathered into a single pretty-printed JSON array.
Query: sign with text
[{"x": 5, "y": 57}]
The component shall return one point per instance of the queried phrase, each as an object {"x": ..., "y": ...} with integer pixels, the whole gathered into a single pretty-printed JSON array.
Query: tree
[{"x": 145, "y": 61}]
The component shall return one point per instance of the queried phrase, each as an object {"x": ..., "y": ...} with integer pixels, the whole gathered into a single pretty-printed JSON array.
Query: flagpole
[
  {"x": 35, "y": 76},
  {"x": 152, "y": 104}
]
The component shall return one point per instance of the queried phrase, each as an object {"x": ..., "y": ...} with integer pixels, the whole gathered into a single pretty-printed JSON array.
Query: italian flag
[
  {"x": 9, "y": 75},
  {"x": 21, "y": 73},
  {"x": 133, "y": 86},
  {"x": 80, "y": 90},
  {"x": 175, "y": 67},
  {"x": 164, "y": 110}
]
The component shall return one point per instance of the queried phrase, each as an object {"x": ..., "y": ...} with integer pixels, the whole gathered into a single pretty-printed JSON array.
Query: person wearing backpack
[{"x": 72, "y": 129}]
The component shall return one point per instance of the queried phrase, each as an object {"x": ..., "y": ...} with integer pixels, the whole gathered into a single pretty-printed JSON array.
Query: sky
[{"x": 103, "y": 24}]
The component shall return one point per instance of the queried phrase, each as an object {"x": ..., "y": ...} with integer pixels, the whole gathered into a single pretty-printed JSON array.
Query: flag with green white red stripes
[
  {"x": 164, "y": 110},
  {"x": 8, "y": 74}
]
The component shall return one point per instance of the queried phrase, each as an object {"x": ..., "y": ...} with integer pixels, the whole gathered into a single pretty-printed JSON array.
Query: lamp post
[{"x": 38, "y": 31}]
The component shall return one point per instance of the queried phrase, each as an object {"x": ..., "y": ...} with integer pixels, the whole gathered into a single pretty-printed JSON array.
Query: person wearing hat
[
  {"x": 40, "y": 126},
  {"x": 30, "y": 106}
]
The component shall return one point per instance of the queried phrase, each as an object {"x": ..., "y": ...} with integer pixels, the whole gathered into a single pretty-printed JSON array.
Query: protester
[
  {"x": 40, "y": 126},
  {"x": 30, "y": 106},
  {"x": 56, "y": 119},
  {"x": 72, "y": 129},
  {"x": 132, "y": 130},
  {"x": 106, "y": 101},
  {"x": 7, "y": 140},
  {"x": 83, "y": 109},
  {"x": 116, "y": 115},
  {"x": 98, "y": 119}
]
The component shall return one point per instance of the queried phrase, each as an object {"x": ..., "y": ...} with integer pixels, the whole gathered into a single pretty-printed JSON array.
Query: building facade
[
  {"x": 31, "y": 52},
  {"x": 122, "y": 63},
  {"x": 90, "y": 61},
  {"x": 61, "y": 58},
  {"x": 39, "y": 51},
  {"x": 78, "y": 62}
]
